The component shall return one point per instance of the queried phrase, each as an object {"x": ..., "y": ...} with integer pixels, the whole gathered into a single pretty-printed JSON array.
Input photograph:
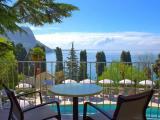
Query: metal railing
[{"x": 26, "y": 76}]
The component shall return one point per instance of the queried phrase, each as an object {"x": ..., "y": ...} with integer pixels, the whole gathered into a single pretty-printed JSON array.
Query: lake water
[{"x": 91, "y": 57}]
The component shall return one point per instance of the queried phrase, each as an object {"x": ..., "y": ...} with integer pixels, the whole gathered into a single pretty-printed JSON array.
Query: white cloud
[
  {"x": 43, "y": 27},
  {"x": 102, "y": 41}
]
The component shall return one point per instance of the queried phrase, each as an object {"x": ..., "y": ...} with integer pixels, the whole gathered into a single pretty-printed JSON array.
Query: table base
[{"x": 75, "y": 108}]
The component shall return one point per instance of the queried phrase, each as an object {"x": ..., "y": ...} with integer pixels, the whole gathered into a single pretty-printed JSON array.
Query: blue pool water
[{"x": 152, "y": 112}]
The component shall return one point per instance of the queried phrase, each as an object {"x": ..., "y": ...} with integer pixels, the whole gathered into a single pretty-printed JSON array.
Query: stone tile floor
[{"x": 4, "y": 115}]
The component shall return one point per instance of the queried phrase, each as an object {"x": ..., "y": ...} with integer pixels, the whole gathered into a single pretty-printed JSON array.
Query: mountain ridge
[{"x": 27, "y": 38}]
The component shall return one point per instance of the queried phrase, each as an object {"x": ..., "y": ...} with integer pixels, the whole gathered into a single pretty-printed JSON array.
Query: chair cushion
[
  {"x": 39, "y": 113},
  {"x": 4, "y": 113}
]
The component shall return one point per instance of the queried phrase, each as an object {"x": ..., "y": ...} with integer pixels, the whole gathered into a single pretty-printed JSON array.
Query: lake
[
  {"x": 110, "y": 55},
  {"x": 91, "y": 57}
]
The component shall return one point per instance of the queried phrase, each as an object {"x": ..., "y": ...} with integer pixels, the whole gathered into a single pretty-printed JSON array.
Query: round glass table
[{"x": 76, "y": 90}]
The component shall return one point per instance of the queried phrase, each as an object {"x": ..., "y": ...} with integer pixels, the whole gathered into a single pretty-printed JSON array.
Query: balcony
[{"x": 26, "y": 76}]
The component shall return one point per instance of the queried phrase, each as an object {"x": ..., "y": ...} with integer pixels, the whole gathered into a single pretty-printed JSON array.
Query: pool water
[{"x": 152, "y": 112}]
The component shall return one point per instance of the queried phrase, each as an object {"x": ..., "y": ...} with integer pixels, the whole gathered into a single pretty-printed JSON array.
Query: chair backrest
[
  {"x": 15, "y": 110},
  {"x": 132, "y": 107}
]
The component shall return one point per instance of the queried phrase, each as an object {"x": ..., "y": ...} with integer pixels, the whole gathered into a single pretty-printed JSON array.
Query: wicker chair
[
  {"x": 128, "y": 108},
  {"x": 38, "y": 112}
]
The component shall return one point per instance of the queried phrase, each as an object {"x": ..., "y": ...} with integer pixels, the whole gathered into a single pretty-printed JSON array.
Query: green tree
[
  {"x": 20, "y": 53},
  {"x": 14, "y": 48},
  {"x": 29, "y": 64},
  {"x": 156, "y": 67},
  {"x": 59, "y": 59},
  {"x": 8, "y": 63},
  {"x": 83, "y": 65},
  {"x": 146, "y": 61},
  {"x": 129, "y": 60},
  {"x": 113, "y": 72},
  {"x": 42, "y": 64},
  {"x": 59, "y": 77},
  {"x": 37, "y": 55},
  {"x": 100, "y": 62},
  {"x": 72, "y": 64},
  {"x": 35, "y": 12},
  {"x": 5, "y": 46},
  {"x": 123, "y": 56},
  {"x": 126, "y": 57}
]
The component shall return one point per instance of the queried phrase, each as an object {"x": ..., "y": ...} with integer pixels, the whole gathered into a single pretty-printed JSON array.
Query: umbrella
[
  {"x": 106, "y": 81},
  {"x": 48, "y": 82},
  {"x": 69, "y": 81},
  {"x": 126, "y": 82},
  {"x": 87, "y": 81},
  {"x": 24, "y": 85},
  {"x": 96, "y": 99},
  {"x": 23, "y": 103},
  {"x": 147, "y": 82}
]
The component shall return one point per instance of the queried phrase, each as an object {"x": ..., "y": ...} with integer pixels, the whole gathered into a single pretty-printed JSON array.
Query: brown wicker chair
[
  {"x": 38, "y": 112},
  {"x": 128, "y": 108}
]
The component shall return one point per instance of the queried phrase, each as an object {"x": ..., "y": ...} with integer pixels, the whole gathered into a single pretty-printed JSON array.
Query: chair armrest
[
  {"x": 43, "y": 104},
  {"x": 94, "y": 106},
  {"x": 34, "y": 92}
]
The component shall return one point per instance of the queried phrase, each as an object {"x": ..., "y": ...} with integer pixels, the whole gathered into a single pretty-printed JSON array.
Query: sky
[{"x": 106, "y": 24}]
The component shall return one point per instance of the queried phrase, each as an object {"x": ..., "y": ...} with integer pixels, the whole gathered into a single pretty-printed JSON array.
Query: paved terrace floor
[{"x": 4, "y": 115}]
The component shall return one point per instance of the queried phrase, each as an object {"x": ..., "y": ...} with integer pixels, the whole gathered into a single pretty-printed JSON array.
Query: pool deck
[{"x": 4, "y": 115}]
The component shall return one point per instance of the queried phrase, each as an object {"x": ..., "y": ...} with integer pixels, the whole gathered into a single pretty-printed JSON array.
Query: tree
[
  {"x": 100, "y": 62},
  {"x": 129, "y": 60},
  {"x": 5, "y": 46},
  {"x": 83, "y": 65},
  {"x": 8, "y": 63},
  {"x": 20, "y": 53},
  {"x": 122, "y": 70},
  {"x": 29, "y": 64},
  {"x": 126, "y": 57},
  {"x": 35, "y": 12},
  {"x": 123, "y": 56},
  {"x": 13, "y": 47},
  {"x": 59, "y": 59},
  {"x": 156, "y": 67},
  {"x": 113, "y": 72},
  {"x": 145, "y": 61},
  {"x": 72, "y": 64},
  {"x": 37, "y": 55},
  {"x": 43, "y": 64},
  {"x": 35, "y": 61},
  {"x": 59, "y": 77}
]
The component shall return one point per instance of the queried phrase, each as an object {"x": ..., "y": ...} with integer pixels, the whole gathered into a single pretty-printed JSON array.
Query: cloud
[
  {"x": 102, "y": 41},
  {"x": 33, "y": 28}
]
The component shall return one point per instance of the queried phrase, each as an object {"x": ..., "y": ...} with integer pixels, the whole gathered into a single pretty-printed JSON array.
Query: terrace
[{"x": 32, "y": 78}]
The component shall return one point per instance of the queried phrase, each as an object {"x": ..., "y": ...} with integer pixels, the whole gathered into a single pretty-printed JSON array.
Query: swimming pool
[{"x": 152, "y": 112}]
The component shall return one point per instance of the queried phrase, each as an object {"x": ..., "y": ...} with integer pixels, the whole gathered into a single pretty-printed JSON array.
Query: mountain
[{"x": 27, "y": 38}]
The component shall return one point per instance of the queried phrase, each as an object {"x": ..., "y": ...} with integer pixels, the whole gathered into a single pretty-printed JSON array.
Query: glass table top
[{"x": 76, "y": 89}]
